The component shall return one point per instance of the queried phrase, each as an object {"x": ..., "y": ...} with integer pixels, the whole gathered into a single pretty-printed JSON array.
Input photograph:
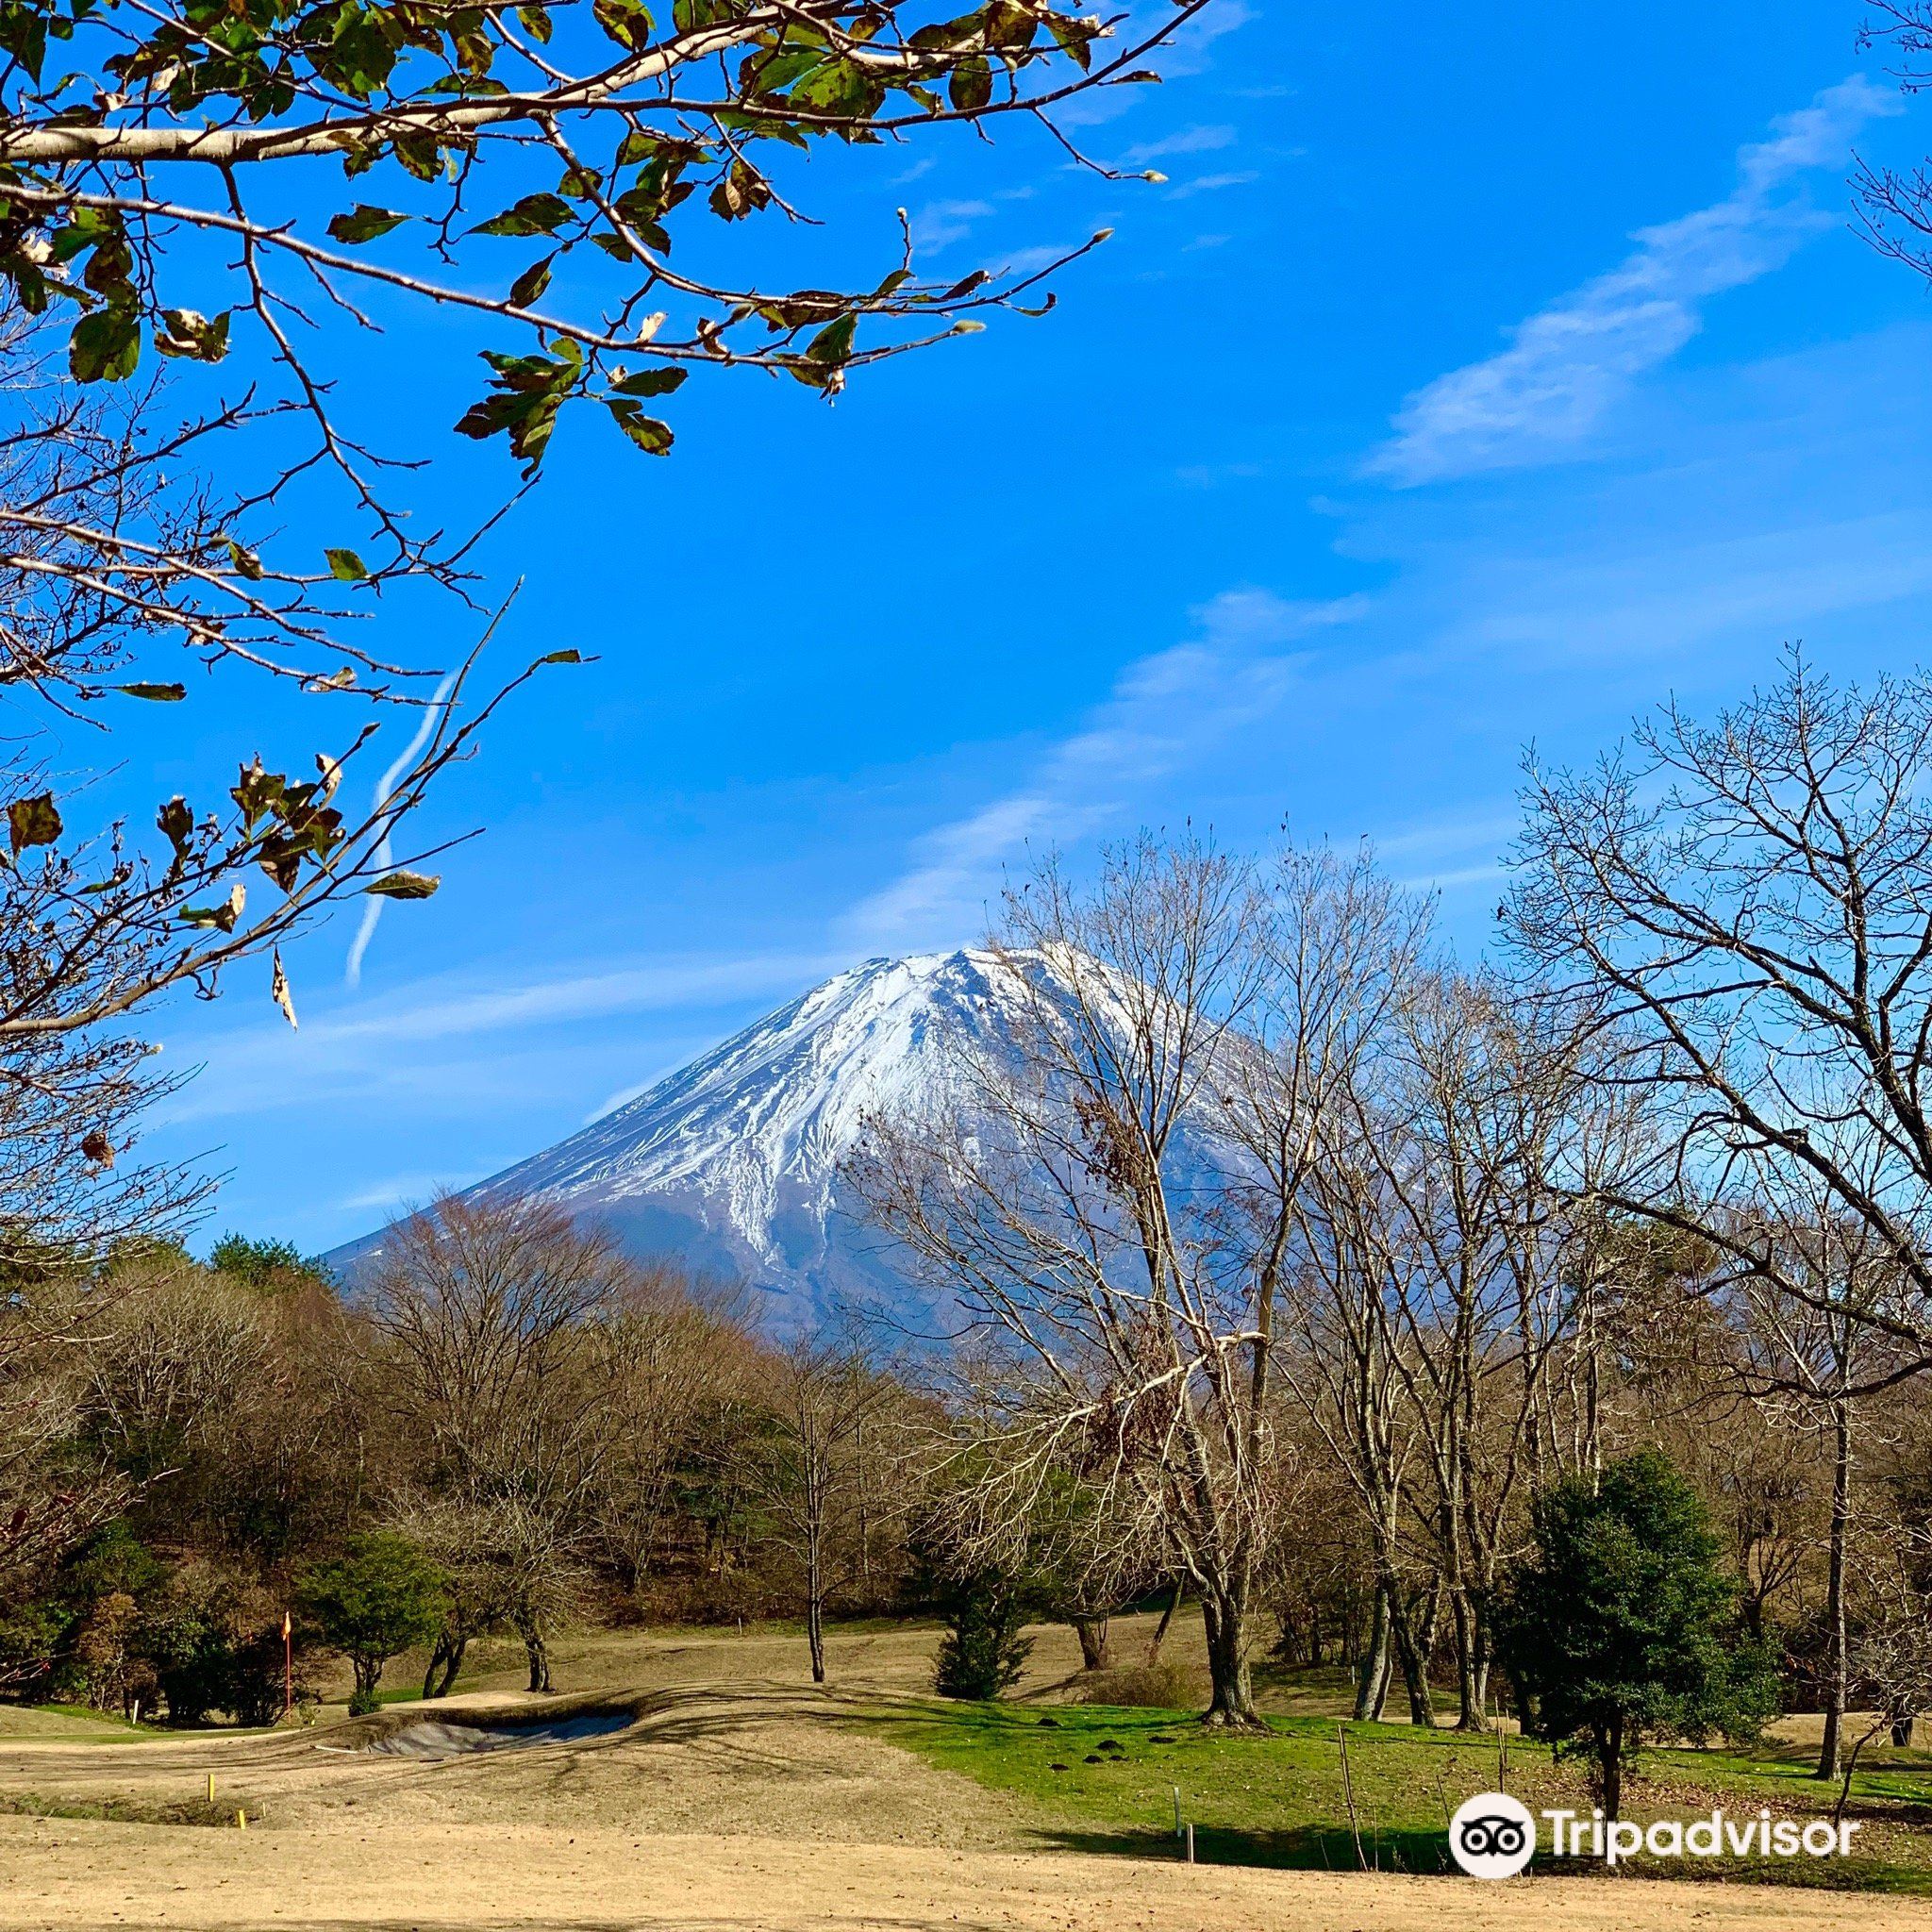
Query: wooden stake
[
  {"x": 211, "y": 1788},
  {"x": 241, "y": 1820},
  {"x": 1177, "y": 1811},
  {"x": 1348, "y": 1791},
  {"x": 1191, "y": 1844}
]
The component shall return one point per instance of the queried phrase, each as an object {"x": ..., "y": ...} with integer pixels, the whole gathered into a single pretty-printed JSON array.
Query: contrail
[{"x": 371, "y": 913}]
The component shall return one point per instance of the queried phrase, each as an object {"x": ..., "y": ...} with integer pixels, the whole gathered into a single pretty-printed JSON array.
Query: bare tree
[
  {"x": 821, "y": 1468},
  {"x": 1807, "y": 1359},
  {"x": 1068, "y": 1197},
  {"x": 1746, "y": 908},
  {"x": 486, "y": 1322},
  {"x": 1895, "y": 205},
  {"x": 675, "y": 1362}
]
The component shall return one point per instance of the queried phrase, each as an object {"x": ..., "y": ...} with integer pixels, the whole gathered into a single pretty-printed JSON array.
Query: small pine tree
[
  {"x": 371, "y": 1603},
  {"x": 982, "y": 1653},
  {"x": 1621, "y": 1624}
]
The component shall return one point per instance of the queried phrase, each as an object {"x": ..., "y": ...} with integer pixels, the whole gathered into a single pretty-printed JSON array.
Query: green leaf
[
  {"x": 651, "y": 436},
  {"x": 650, "y": 382},
  {"x": 535, "y": 214},
  {"x": 363, "y": 223},
  {"x": 245, "y": 561},
  {"x": 24, "y": 35},
  {"x": 832, "y": 345},
  {"x": 346, "y": 567},
  {"x": 32, "y": 822},
  {"x": 626, "y": 22},
  {"x": 222, "y": 917},
  {"x": 155, "y": 693},
  {"x": 1075, "y": 38},
  {"x": 105, "y": 345},
  {"x": 535, "y": 21},
  {"x": 970, "y": 85},
  {"x": 532, "y": 282},
  {"x": 404, "y": 885}
]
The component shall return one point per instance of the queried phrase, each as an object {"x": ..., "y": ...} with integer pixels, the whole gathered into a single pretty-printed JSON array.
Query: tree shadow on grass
[{"x": 1300, "y": 1848}]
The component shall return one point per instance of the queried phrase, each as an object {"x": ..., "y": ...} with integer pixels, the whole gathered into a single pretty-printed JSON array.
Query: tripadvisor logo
[{"x": 1494, "y": 1836}]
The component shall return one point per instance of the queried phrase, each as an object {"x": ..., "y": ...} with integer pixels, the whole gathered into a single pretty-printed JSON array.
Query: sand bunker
[{"x": 441, "y": 1738}]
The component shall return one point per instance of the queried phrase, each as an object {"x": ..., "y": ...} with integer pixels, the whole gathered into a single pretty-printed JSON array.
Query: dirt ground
[{"x": 740, "y": 1799}]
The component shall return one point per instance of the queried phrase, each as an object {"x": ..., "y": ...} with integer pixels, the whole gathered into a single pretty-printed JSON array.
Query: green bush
[
  {"x": 1621, "y": 1624},
  {"x": 982, "y": 1653},
  {"x": 374, "y": 1601}
]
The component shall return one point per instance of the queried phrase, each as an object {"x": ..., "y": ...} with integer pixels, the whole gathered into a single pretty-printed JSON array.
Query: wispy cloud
[
  {"x": 391, "y": 1042},
  {"x": 1163, "y": 711},
  {"x": 1565, "y": 366},
  {"x": 939, "y": 224},
  {"x": 1208, "y": 184},
  {"x": 1189, "y": 51},
  {"x": 1185, "y": 141}
]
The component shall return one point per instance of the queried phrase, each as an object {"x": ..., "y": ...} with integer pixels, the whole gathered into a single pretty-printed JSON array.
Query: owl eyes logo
[{"x": 1493, "y": 1836}]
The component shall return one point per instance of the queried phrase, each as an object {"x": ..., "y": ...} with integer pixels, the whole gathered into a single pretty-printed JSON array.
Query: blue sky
[{"x": 1472, "y": 381}]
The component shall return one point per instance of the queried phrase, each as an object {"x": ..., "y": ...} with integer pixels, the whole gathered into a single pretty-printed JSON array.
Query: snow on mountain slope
[{"x": 731, "y": 1163}]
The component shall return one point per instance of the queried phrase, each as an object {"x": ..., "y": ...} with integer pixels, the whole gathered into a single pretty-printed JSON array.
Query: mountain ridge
[{"x": 730, "y": 1164}]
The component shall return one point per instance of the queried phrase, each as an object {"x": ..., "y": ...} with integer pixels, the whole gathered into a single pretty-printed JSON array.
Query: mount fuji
[{"x": 731, "y": 1165}]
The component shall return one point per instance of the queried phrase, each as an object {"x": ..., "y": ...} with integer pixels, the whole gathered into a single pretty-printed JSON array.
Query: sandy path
[{"x": 383, "y": 1879}]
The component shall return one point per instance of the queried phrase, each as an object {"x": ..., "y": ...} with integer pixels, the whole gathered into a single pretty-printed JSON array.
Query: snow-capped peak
[{"x": 732, "y": 1163}]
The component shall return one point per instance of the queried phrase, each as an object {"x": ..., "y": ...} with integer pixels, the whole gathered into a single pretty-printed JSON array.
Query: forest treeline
[{"x": 1398, "y": 1312}]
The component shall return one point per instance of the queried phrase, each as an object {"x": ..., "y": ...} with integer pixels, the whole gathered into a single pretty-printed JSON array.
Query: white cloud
[
  {"x": 1208, "y": 184},
  {"x": 1565, "y": 366},
  {"x": 1187, "y": 141},
  {"x": 391, "y": 1044},
  {"x": 399, "y": 1192},
  {"x": 1188, "y": 53},
  {"x": 1163, "y": 711},
  {"x": 939, "y": 224}
]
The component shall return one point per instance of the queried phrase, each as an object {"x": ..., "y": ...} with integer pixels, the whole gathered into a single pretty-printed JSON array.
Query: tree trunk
[
  {"x": 1902, "y": 1730},
  {"x": 438, "y": 1658},
  {"x": 1232, "y": 1705},
  {"x": 1413, "y": 1648},
  {"x": 815, "y": 1636},
  {"x": 1837, "y": 1663},
  {"x": 1378, "y": 1704},
  {"x": 539, "y": 1654},
  {"x": 1469, "y": 1696},
  {"x": 454, "y": 1664},
  {"x": 1159, "y": 1636},
  {"x": 1371, "y": 1681},
  {"x": 1609, "y": 1756},
  {"x": 1097, "y": 1651}
]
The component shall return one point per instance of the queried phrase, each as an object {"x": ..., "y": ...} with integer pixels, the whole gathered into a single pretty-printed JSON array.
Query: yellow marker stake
[
  {"x": 241, "y": 1820},
  {"x": 211, "y": 1788}
]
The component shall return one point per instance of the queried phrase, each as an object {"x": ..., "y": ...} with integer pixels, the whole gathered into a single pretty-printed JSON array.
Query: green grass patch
[
  {"x": 127, "y": 1811},
  {"x": 1108, "y": 1780}
]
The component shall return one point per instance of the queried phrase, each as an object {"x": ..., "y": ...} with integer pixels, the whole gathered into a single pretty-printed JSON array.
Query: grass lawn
[{"x": 1105, "y": 1779}]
